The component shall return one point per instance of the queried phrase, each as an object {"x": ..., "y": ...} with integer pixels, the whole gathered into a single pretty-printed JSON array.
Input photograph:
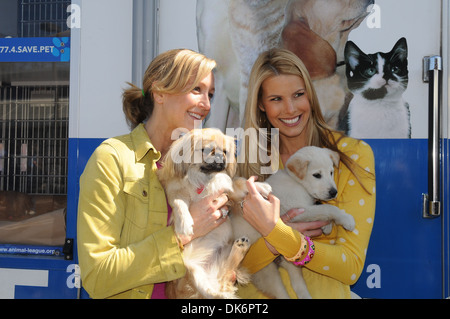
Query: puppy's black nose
[{"x": 332, "y": 192}]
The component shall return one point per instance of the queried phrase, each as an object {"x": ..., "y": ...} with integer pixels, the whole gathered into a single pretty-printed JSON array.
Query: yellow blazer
[{"x": 124, "y": 244}]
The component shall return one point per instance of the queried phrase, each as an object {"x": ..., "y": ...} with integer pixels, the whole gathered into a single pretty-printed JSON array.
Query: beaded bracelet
[
  {"x": 309, "y": 255},
  {"x": 301, "y": 251},
  {"x": 298, "y": 259}
]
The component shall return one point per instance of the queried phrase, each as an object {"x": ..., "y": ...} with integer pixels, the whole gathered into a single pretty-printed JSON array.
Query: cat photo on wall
[{"x": 377, "y": 82}]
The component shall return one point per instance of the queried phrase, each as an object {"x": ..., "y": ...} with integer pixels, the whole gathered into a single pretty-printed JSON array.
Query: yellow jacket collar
[{"x": 142, "y": 143}]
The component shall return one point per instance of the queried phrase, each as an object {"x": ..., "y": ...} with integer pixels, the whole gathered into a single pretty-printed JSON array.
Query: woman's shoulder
[
  {"x": 114, "y": 144},
  {"x": 128, "y": 147},
  {"x": 113, "y": 149},
  {"x": 118, "y": 141}
]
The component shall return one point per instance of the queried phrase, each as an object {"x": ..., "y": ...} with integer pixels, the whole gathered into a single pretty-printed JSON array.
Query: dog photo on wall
[{"x": 235, "y": 32}]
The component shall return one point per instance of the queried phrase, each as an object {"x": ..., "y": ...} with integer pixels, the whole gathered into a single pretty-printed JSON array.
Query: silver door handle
[{"x": 431, "y": 201}]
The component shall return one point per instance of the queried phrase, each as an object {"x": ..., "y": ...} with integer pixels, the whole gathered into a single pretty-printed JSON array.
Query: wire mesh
[
  {"x": 34, "y": 117},
  {"x": 34, "y": 139},
  {"x": 41, "y": 18}
]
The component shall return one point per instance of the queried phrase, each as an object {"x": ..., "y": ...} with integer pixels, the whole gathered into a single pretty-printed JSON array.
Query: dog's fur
[
  {"x": 235, "y": 32},
  {"x": 308, "y": 178},
  {"x": 197, "y": 165}
]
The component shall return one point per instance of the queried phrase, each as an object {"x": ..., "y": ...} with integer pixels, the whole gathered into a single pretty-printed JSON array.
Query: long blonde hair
[
  {"x": 170, "y": 72},
  {"x": 276, "y": 62}
]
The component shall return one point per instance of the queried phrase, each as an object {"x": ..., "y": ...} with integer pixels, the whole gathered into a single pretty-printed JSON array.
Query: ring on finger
[{"x": 242, "y": 204}]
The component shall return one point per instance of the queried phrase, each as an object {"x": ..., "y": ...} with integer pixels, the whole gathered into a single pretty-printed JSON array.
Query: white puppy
[{"x": 307, "y": 179}]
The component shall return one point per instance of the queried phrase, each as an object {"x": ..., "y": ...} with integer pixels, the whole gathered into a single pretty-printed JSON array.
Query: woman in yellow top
[
  {"x": 280, "y": 95},
  {"x": 124, "y": 244}
]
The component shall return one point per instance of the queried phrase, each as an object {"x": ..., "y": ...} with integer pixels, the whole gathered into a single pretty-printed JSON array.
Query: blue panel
[
  {"x": 57, "y": 288},
  {"x": 80, "y": 150},
  {"x": 406, "y": 247},
  {"x": 404, "y": 255},
  {"x": 61, "y": 273},
  {"x": 61, "y": 277},
  {"x": 35, "y": 49}
]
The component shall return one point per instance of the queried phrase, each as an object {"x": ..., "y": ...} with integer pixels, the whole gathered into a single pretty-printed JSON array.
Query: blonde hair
[
  {"x": 276, "y": 62},
  {"x": 174, "y": 72}
]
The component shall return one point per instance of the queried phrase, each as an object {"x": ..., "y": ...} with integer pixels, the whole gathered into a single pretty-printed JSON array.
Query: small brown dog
[{"x": 197, "y": 165}]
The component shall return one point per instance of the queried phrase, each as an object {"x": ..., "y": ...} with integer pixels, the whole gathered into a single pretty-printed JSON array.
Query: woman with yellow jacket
[
  {"x": 126, "y": 248},
  {"x": 281, "y": 96}
]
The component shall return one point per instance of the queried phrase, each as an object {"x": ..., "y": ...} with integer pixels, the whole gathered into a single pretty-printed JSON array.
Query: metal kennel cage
[
  {"x": 34, "y": 138},
  {"x": 42, "y": 18},
  {"x": 34, "y": 107}
]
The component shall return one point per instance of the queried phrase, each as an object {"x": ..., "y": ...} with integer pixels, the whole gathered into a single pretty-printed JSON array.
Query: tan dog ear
[
  {"x": 231, "y": 168},
  {"x": 180, "y": 169},
  {"x": 170, "y": 169},
  {"x": 298, "y": 167},
  {"x": 316, "y": 53},
  {"x": 177, "y": 159},
  {"x": 230, "y": 156},
  {"x": 335, "y": 158}
]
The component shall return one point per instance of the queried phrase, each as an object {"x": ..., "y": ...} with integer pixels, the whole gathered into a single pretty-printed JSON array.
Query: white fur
[
  {"x": 185, "y": 191},
  {"x": 375, "y": 119}
]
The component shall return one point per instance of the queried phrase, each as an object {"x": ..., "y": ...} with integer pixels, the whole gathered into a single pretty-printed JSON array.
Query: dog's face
[
  {"x": 202, "y": 151},
  {"x": 313, "y": 167}
]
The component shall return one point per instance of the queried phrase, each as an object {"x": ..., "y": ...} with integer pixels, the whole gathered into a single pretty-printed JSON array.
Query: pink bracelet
[{"x": 309, "y": 254}]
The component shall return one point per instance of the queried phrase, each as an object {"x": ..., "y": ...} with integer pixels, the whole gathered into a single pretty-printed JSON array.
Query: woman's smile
[
  {"x": 291, "y": 121},
  {"x": 195, "y": 116}
]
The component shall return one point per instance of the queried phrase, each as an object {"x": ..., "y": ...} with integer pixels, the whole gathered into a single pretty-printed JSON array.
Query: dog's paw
[
  {"x": 348, "y": 222},
  {"x": 263, "y": 188},
  {"x": 327, "y": 229},
  {"x": 242, "y": 243},
  {"x": 184, "y": 228}
]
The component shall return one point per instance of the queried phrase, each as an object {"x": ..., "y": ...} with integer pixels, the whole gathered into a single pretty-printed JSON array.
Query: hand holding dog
[
  {"x": 262, "y": 214},
  {"x": 206, "y": 215},
  {"x": 310, "y": 229}
]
